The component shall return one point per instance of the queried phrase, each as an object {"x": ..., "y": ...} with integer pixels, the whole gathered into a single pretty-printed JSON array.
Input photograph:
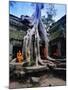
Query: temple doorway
[
  {"x": 16, "y": 48},
  {"x": 55, "y": 51}
]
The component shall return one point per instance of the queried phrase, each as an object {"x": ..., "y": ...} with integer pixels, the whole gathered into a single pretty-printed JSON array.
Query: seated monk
[{"x": 19, "y": 57}]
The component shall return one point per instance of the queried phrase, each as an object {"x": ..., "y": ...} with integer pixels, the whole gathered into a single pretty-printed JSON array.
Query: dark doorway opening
[
  {"x": 54, "y": 51},
  {"x": 16, "y": 49}
]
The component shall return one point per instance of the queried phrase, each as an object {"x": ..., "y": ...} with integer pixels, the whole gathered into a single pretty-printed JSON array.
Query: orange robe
[{"x": 19, "y": 57}]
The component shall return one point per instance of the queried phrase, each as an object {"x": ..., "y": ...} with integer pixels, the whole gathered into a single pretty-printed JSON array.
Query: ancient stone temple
[
  {"x": 33, "y": 51},
  {"x": 57, "y": 39},
  {"x": 17, "y": 30}
]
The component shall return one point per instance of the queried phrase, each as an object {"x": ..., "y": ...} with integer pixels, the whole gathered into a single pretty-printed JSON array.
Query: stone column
[
  {"x": 45, "y": 52},
  {"x": 59, "y": 48},
  {"x": 10, "y": 51}
]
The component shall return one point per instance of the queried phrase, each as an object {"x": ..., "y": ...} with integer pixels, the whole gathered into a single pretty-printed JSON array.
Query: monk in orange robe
[{"x": 19, "y": 57}]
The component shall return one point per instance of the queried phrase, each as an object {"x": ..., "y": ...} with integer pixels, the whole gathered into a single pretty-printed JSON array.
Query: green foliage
[{"x": 51, "y": 12}]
